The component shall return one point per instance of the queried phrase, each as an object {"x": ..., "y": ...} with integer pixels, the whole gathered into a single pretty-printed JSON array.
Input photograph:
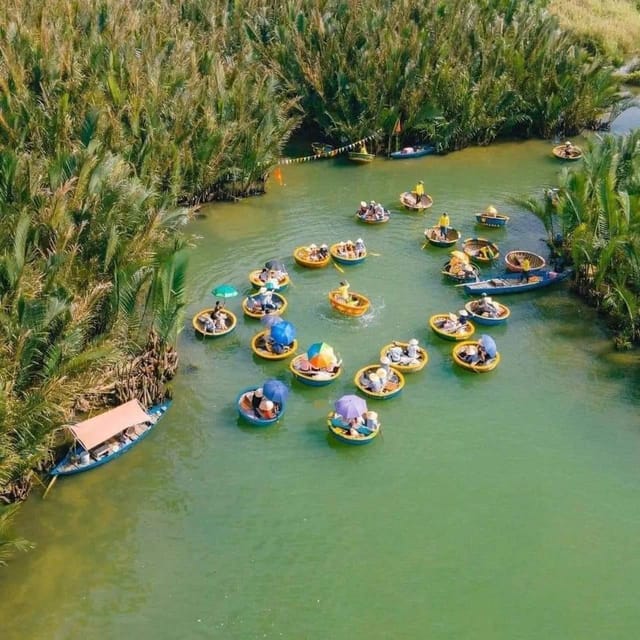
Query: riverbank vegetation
[
  {"x": 594, "y": 218},
  {"x": 112, "y": 113},
  {"x": 611, "y": 27}
]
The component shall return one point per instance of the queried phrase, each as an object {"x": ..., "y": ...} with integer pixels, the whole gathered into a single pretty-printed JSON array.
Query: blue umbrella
[
  {"x": 283, "y": 333},
  {"x": 224, "y": 291},
  {"x": 350, "y": 406},
  {"x": 275, "y": 391},
  {"x": 269, "y": 319},
  {"x": 489, "y": 345}
]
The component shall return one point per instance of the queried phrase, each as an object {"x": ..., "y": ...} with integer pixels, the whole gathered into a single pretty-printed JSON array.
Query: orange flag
[
  {"x": 277, "y": 174},
  {"x": 397, "y": 130}
]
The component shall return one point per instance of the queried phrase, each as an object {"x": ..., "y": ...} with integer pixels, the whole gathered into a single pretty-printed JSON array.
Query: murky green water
[{"x": 493, "y": 507}]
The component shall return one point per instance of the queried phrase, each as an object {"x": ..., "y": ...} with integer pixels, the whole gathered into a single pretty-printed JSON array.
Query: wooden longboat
[
  {"x": 407, "y": 366},
  {"x": 342, "y": 259},
  {"x": 341, "y": 431},
  {"x": 107, "y": 436},
  {"x": 489, "y": 365},
  {"x": 266, "y": 352},
  {"x": 464, "y": 331},
  {"x": 511, "y": 283},
  {"x": 313, "y": 378},
  {"x": 302, "y": 256},
  {"x": 246, "y": 411},
  {"x": 412, "y": 152},
  {"x": 392, "y": 387},
  {"x": 358, "y": 303},
  {"x": 277, "y": 297},
  {"x": 199, "y": 326}
]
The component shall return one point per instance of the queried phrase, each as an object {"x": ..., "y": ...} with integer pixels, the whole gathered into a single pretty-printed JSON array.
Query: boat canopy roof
[{"x": 94, "y": 431}]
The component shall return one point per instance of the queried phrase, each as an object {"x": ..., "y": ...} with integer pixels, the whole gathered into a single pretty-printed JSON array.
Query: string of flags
[{"x": 331, "y": 153}]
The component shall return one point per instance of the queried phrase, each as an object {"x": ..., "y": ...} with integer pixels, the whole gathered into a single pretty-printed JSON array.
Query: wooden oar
[
  {"x": 377, "y": 255},
  {"x": 337, "y": 266}
]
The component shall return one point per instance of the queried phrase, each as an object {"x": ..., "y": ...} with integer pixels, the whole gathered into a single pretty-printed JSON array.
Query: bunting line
[{"x": 329, "y": 154}]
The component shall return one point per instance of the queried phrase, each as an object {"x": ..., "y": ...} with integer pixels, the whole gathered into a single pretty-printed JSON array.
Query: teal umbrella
[{"x": 224, "y": 291}]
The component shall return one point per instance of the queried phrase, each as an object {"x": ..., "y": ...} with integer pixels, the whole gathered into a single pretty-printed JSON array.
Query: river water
[{"x": 495, "y": 506}]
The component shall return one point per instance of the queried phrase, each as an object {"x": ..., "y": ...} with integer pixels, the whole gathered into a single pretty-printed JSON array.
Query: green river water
[{"x": 497, "y": 506}]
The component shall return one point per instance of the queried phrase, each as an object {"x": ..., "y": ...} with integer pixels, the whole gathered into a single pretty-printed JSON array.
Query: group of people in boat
[
  {"x": 569, "y": 150},
  {"x": 266, "y": 343},
  {"x": 317, "y": 253},
  {"x": 359, "y": 427},
  {"x": 454, "y": 323},
  {"x": 405, "y": 355},
  {"x": 485, "y": 307},
  {"x": 351, "y": 250},
  {"x": 461, "y": 267},
  {"x": 263, "y": 407},
  {"x": 475, "y": 354},
  {"x": 216, "y": 320},
  {"x": 330, "y": 370},
  {"x": 382, "y": 380},
  {"x": 344, "y": 296},
  {"x": 263, "y": 302},
  {"x": 372, "y": 211},
  {"x": 274, "y": 276}
]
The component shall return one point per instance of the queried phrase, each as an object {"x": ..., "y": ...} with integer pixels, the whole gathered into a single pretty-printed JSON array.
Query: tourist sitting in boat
[
  {"x": 312, "y": 252},
  {"x": 363, "y": 209},
  {"x": 371, "y": 421},
  {"x": 568, "y": 151},
  {"x": 453, "y": 323},
  {"x": 360, "y": 248},
  {"x": 207, "y": 322},
  {"x": 474, "y": 354},
  {"x": 378, "y": 212},
  {"x": 267, "y": 409},
  {"x": 264, "y": 274},
  {"x": 486, "y": 306},
  {"x": 323, "y": 251},
  {"x": 412, "y": 350},
  {"x": 385, "y": 365},
  {"x": 220, "y": 323},
  {"x": 395, "y": 354},
  {"x": 374, "y": 383},
  {"x": 256, "y": 398}
]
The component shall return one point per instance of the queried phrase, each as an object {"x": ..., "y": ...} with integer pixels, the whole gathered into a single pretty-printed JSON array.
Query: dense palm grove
[{"x": 113, "y": 113}]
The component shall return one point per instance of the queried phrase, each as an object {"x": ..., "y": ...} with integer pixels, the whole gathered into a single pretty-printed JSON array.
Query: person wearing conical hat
[
  {"x": 444, "y": 224},
  {"x": 491, "y": 210},
  {"x": 412, "y": 349},
  {"x": 418, "y": 191},
  {"x": 360, "y": 248},
  {"x": 375, "y": 384}
]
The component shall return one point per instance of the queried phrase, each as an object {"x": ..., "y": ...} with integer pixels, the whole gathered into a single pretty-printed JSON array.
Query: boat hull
[
  {"x": 358, "y": 308},
  {"x": 509, "y": 283},
  {"x": 478, "y": 368},
  {"x": 199, "y": 328},
  {"x": 418, "y": 152},
  {"x": 559, "y": 152},
  {"x": 393, "y": 389},
  {"x": 408, "y": 201},
  {"x": 423, "y": 358},
  {"x": 62, "y": 469},
  {"x": 513, "y": 261},
  {"x": 254, "y": 279},
  {"x": 360, "y": 158},
  {"x": 338, "y": 432},
  {"x": 467, "y": 330},
  {"x": 301, "y": 256},
  {"x": 266, "y": 354},
  {"x": 481, "y": 250},
  {"x": 503, "y": 314},
  {"x": 432, "y": 236},
  {"x": 371, "y": 220},
  {"x": 496, "y": 220},
  {"x": 319, "y": 379},
  {"x": 341, "y": 259},
  {"x": 275, "y": 312},
  {"x": 247, "y": 414}
]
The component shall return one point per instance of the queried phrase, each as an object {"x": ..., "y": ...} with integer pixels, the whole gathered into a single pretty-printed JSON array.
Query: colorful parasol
[{"x": 321, "y": 354}]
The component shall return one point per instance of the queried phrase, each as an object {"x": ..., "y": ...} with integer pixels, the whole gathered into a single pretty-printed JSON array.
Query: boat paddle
[{"x": 337, "y": 266}]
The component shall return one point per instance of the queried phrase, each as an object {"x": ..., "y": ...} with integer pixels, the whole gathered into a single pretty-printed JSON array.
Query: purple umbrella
[
  {"x": 283, "y": 333},
  {"x": 275, "y": 390},
  {"x": 489, "y": 345},
  {"x": 350, "y": 406},
  {"x": 269, "y": 319}
]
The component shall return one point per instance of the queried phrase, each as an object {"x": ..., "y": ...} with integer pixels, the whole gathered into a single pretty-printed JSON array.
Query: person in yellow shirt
[
  {"x": 444, "y": 224},
  {"x": 419, "y": 191},
  {"x": 525, "y": 264},
  {"x": 343, "y": 291}
]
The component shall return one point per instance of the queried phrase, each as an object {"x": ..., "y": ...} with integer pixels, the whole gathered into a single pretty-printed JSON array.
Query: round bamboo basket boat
[
  {"x": 465, "y": 332},
  {"x": 503, "y": 313},
  {"x": 358, "y": 306},
  {"x": 481, "y": 249},
  {"x": 199, "y": 328},
  {"x": 254, "y": 279},
  {"x": 319, "y": 378},
  {"x": 560, "y": 151},
  {"x": 479, "y": 368},
  {"x": 342, "y": 259},
  {"x": 408, "y": 201},
  {"x": 259, "y": 314},
  {"x": 432, "y": 235},
  {"x": 268, "y": 354},
  {"x": 392, "y": 387},
  {"x": 423, "y": 357},
  {"x": 514, "y": 259},
  {"x": 302, "y": 257},
  {"x": 342, "y": 433}
]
